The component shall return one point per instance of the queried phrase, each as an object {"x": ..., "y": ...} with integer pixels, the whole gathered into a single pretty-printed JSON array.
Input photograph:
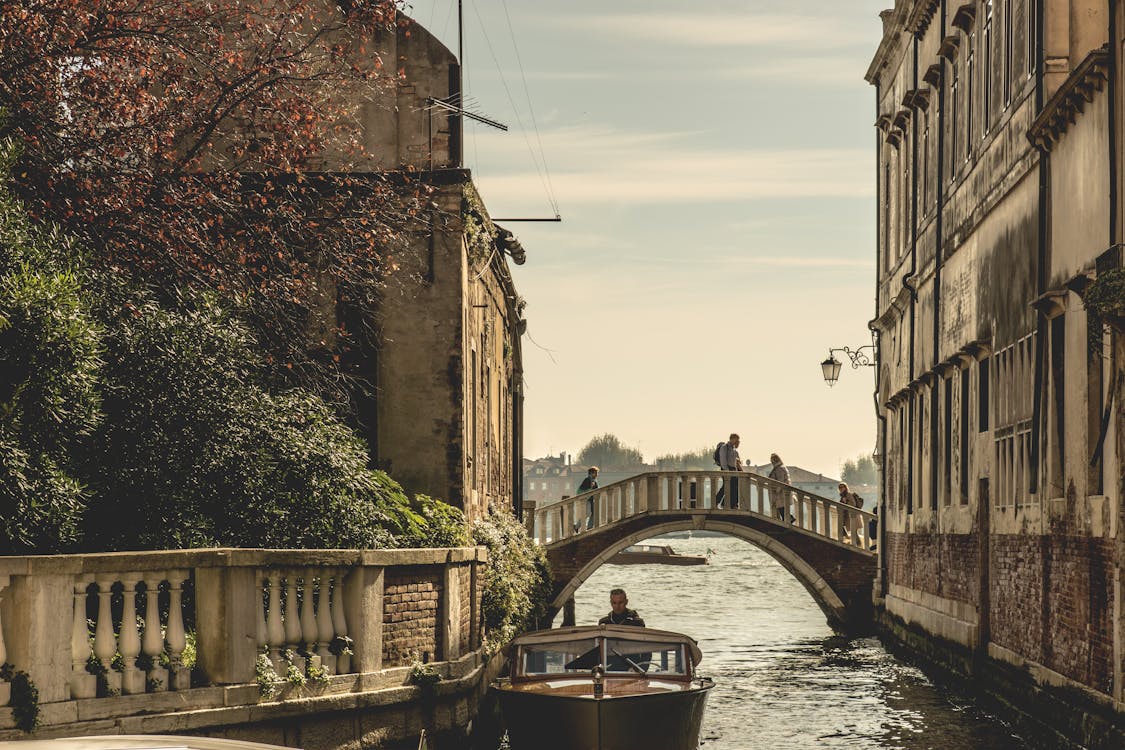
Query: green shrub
[
  {"x": 517, "y": 586},
  {"x": 443, "y": 525},
  {"x": 49, "y": 373},
  {"x": 194, "y": 452}
]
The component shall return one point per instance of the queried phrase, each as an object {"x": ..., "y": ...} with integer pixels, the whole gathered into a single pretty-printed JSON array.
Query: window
[
  {"x": 1058, "y": 404},
  {"x": 1014, "y": 382},
  {"x": 1009, "y": 44},
  {"x": 947, "y": 453},
  {"x": 886, "y": 216},
  {"x": 969, "y": 80},
  {"x": 986, "y": 83},
  {"x": 963, "y": 427},
  {"x": 925, "y": 164},
  {"x": 954, "y": 86},
  {"x": 982, "y": 395}
]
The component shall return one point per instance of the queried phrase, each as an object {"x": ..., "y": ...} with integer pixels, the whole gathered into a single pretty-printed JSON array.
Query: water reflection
[{"x": 782, "y": 678}]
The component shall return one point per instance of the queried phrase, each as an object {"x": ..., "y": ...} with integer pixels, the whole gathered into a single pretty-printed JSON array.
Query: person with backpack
[{"x": 727, "y": 458}]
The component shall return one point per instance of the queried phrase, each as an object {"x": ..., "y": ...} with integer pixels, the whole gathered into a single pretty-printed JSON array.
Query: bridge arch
[{"x": 834, "y": 608}]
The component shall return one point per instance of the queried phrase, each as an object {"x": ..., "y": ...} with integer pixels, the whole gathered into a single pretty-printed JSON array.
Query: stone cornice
[
  {"x": 965, "y": 17},
  {"x": 1050, "y": 304},
  {"x": 933, "y": 75},
  {"x": 1064, "y": 106},
  {"x": 950, "y": 46},
  {"x": 893, "y": 28},
  {"x": 921, "y": 16}
]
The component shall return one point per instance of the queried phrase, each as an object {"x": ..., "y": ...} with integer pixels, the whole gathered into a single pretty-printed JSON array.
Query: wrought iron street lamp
[{"x": 858, "y": 357}]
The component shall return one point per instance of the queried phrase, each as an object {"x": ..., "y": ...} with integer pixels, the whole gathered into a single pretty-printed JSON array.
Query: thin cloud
[
  {"x": 809, "y": 71},
  {"x": 728, "y": 30},
  {"x": 694, "y": 176}
]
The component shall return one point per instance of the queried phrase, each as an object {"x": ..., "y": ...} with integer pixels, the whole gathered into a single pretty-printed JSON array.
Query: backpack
[{"x": 718, "y": 454}]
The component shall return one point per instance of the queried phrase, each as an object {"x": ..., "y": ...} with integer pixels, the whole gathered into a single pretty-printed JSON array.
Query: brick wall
[
  {"x": 1052, "y": 602},
  {"x": 411, "y": 627},
  {"x": 1050, "y": 597},
  {"x": 465, "y": 579},
  {"x": 945, "y": 565}
]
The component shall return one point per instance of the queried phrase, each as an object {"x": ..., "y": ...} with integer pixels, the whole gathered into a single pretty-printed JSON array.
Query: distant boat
[
  {"x": 603, "y": 687},
  {"x": 659, "y": 554}
]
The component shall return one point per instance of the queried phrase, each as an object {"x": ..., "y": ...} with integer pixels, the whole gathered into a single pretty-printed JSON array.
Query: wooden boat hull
[
  {"x": 654, "y": 558},
  {"x": 650, "y": 721}
]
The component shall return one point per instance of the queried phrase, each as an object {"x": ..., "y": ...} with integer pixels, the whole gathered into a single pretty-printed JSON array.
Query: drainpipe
[
  {"x": 1041, "y": 268},
  {"x": 1111, "y": 91},
  {"x": 519, "y": 325},
  {"x": 939, "y": 250},
  {"x": 881, "y": 578}
]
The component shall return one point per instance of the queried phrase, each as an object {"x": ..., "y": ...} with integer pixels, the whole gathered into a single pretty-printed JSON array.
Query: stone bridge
[{"x": 826, "y": 546}]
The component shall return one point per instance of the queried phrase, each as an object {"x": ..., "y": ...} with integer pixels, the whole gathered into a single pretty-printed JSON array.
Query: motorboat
[
  {"x": 603, "y": 687},
  {"x": 662, "y": 554}
]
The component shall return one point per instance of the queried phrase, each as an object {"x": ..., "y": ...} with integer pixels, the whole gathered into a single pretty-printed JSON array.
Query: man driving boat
[{"x": 619, "y": 613}]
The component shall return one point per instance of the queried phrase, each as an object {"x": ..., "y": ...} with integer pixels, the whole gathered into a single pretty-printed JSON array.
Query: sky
[{"x": 714, "y": 166}]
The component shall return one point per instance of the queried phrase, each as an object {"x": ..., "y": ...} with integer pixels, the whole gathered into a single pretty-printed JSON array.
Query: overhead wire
[
  {"x": 511, "y": 100},
  {"x": 531, "y": 109}
]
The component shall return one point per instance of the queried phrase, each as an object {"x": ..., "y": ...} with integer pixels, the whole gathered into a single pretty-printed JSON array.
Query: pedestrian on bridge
[
  {"x": 589, "y": 483},
  {"x": 848, "y": 498},
  {"x": 729, "y": 460},
  {"x": 780, "y": 473}
]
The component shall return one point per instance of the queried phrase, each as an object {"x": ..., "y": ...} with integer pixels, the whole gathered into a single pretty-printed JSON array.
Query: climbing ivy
[
  {"x": 1105, "y": 300},
  {"x": 478, "y": 237},
  {"x": 25, "y": 697}
]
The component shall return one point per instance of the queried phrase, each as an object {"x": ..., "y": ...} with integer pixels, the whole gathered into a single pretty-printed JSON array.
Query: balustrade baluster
[
  {"x": 129, "y": 642},
  {"x": 5, "y": 687},
  {"x": 339, "y": 621},
  {"x": 292, "y": 618},
  {"x": 105, "y": 642},
  {"x": 825, "y": 519},
  {"x": 801, "y": 510},
  {"x": 838, "y": 527},
  {"x": 263, "y": 633},
  {"x": 308, "y": 630},
  {"x": 179, "y": 676},
  {"x": 760, "y": 496},
  {"x": 324, "y": 630},
  {"x": 274, "y": 626},
  {"x": 82, "y": 683},
  {"x": 152, "y": 643}
]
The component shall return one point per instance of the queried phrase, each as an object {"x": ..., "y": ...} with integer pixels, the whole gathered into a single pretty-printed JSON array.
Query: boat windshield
[
  {"x": 560, "y": 657},
  {"x": 646, "y": 657}
]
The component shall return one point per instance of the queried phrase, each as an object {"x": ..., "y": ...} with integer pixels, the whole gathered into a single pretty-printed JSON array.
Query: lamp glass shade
[{"x": 831, "y": 369}]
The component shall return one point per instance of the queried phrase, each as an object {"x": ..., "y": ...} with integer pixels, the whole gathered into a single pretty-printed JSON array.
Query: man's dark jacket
[{"x": 628, "y": 617}]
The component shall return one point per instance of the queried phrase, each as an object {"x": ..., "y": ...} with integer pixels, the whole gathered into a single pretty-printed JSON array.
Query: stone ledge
[
  {"x": 1046, "y": 676},
  {"x": 136, "y": 562},
  {"x": 944, "y": 626},
  {"x": 202, "y": 708}
]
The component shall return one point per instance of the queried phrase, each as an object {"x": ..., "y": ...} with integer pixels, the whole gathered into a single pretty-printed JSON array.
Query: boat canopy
[{"x": 611, "y": 632}]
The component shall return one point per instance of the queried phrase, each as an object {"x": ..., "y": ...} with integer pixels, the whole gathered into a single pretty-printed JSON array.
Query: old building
[
  {"x": 997, "y": 132},
  {"x": 554, "y": 477},
  {"x": 446, "y": 416}
]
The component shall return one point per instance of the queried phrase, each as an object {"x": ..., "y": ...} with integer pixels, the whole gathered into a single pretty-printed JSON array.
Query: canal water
[{"x": 783, "y": 680}]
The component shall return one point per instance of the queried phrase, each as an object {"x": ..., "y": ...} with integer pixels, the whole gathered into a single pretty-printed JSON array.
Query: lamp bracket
[{"x": 858, "y": 357}]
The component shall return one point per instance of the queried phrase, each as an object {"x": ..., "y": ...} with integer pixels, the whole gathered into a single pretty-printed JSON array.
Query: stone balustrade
[
  {"x": 99, "y": 633},
  {"x": 674, "y": 490}
]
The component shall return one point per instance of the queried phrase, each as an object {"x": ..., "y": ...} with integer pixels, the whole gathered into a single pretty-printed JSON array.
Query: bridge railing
[
  {"x": 703, "y": 490},
  {"x": 108, "y": 628}
]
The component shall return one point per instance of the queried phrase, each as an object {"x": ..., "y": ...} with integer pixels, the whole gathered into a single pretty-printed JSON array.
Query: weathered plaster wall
[{"x": 1004, "y": 536}]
